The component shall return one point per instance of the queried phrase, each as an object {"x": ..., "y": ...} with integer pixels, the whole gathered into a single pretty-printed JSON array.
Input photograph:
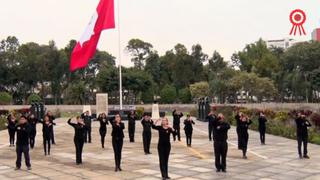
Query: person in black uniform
[
  {"x": 146, "y": 134},
  {"x": 262, "y": 128},
  {"x": 220, "y": 143},
  {"x": 237, "y": 118},
  {"x": 188, "y": 129},
  {"x": 103, "y": 127},
  {"x": 132, "y": 125},
  {"x": 164, "y": 145},
  {"x": 302, "y": 135},
  {"x": 22, "y": 146},
  {"x": 32, "y": 120},
  {"x": 52, "y": 119},
  {"x": 176, "y": 124},
  {"x": 11, "y": 125},
  {"x": 243, "y": 134},
  {"x": 79, "y": 130},
  {"x": 117, "y": 140},
  {"x": 46, "y": 134},
  {"x": 211, "y": 118},
  {"x": 87, "y": 121}
]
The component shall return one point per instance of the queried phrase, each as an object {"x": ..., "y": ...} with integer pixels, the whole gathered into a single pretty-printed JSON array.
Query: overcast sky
[{"x": 222, "y": 25}]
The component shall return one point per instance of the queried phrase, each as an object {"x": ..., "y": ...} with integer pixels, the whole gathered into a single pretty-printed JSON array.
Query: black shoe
[
  {"x": 223, "y": 170},
  {"x": 116, "y": 170},
  {"x": 149, "y": 153},
  {"x": 244, "y": 157},
  {"x": 17, "y": 168},
  {"x": 306, "y": 157},
  {"x": 29, "y": 168},
  {"x": 300, "y": 157},
  {"x": 119, "y": 168},
  {"x": 210, "y": 139},
  {"x": 218, "y": 170},
  {"x": 168, "y": 177}
]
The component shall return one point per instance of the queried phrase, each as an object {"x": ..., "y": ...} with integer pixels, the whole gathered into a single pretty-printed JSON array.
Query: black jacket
[
  {"x": 176, "y": 119},
  {"x": 11, "y": 124},
  {"x": 221, "y": 131},
  {"x": 188, "y": 125},
  {"x": 164, "y": 135},
  {"x": 33, "y": 123},
  {"x": 237, "y": 118},
  {"x": 244, "y": 126},
  {"x": 87, "y": 120},
  {"x": 103, "y": 123},
  {"x": 79, "y": 130},
  {"x": 23, "y": 133},
  {"x": 146, "y": 125},
  {"x": 132, "y": 119},
  {"x": 117, "y": 131},
  {"x": 262, "y": 122},
  {"x": 302, "y": 127},
  {"x": 211, "y": 120}
]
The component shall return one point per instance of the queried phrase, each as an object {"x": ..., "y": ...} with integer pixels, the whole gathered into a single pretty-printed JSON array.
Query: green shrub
[
  {"x": 5, "y": 98},
  {"x": 3, "y": 120},
  {"x": 139, "y": 112},
  {"x": 282, "y": 116},
  {"x": 34, "y": 98},
  {"x": 184, "y": 95},
  {"x": 168, "y": 94}
]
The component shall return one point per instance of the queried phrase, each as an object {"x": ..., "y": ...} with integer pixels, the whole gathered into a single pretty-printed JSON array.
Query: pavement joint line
[
  {"x": 194, "y": 151},
  {"x": 233, "y": 144}
]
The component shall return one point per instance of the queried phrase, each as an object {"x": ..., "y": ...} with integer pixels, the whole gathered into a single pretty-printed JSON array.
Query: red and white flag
[{"x": 86, "y": 47}]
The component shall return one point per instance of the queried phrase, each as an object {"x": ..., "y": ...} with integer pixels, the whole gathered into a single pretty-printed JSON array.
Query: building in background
[
  {"x": 316, "y": 34},
  {"x": 281, "y": 43}
]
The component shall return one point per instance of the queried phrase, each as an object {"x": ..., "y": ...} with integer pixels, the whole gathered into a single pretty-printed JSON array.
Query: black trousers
[
  {"x": 46, "y": 145},
  {"x": 117, "y": 149},
  {"x": 238, "y": 135},
  {"x": 220, "y": 152},
  {"x": 32, "y": 138},
  {"x": 302, "y": 140},
  {"x": 25, "y": 150},
  {"x": 164, "y": 152},
  {"x": 210, "y": 132},
  {"x": 244, "y": 137},
  {"x": 11, "y": 136},
  {"x": 146, "y": 138},
  {"x": 262, "y": 132},
  {"x": 79, "y": 147},
  {"x": 177, "y": 133},
  {"x": 87, "y": 136},
  {"x": 132, "y": 128},
  {"x": 189, "y": 138},
  {"x": 103, "y": 136},
  {"x": 52, "y": 136}
]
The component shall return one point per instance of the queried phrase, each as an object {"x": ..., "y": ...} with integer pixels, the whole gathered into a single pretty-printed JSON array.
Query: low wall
[
  {"x": 179, "y": 107},
  {"x": 78, "y": 108}
]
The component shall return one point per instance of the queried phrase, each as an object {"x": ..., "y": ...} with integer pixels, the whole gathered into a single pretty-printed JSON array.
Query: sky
[{"x": 222, "y": 25}]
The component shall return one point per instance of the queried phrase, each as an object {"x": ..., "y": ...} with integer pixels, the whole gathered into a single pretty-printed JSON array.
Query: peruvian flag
[{"x": 86, "y": 47}]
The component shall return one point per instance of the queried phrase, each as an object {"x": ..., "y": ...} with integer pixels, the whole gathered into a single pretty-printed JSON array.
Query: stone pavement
[{"x": 277, "y": 160}]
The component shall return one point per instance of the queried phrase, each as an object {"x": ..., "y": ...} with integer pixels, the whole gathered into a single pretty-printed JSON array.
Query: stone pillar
[{"x": 101, "y": 103}]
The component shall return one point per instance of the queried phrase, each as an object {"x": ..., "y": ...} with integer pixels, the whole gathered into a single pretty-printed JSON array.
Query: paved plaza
[{"x": 276, "y": 160}]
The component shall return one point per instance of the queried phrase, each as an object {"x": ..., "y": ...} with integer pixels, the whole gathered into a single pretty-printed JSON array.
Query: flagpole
[{"x": 119, "y": 56}]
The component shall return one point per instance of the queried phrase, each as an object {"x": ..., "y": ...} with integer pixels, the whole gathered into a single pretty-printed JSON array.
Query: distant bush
[
  {"x": 139, "y": 112},
  {"x": 281, "y": 116},
  {"x": 184, "y": 95},
  {"x": 315, "y": 119},
  {"x": 168, "y": 94},
  {"x": 3, "y": 120},
  {"x": 5, "y": 98},
  {"x": 34, "y": 98}
]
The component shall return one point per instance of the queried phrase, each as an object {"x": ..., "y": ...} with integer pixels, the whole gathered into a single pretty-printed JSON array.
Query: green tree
[
  {"x": 199, "y": 90},
  {"x": 33, "y": 98},
  {"x": 5, "y": 98},
  {"x": 184, "y": 95},
  {"x": 168, "y": 94},
  {"x": 140, "y": 50}
]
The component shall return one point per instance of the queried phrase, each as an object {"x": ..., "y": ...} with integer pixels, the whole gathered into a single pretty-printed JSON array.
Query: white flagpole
[{"x": 119, "y": 56}]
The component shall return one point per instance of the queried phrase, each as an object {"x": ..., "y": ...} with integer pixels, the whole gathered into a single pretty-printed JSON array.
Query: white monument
[
  {"x": 101, "y": 103},
  {"x": 155, "y": 112},
  {"x": 86, "y": 108}
]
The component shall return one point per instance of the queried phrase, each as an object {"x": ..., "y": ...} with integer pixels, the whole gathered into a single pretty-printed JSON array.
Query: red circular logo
[{"x": 297, "y": 19}]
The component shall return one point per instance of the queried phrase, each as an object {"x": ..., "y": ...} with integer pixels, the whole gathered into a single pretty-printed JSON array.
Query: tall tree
[{"x": 139, "y": 51}]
